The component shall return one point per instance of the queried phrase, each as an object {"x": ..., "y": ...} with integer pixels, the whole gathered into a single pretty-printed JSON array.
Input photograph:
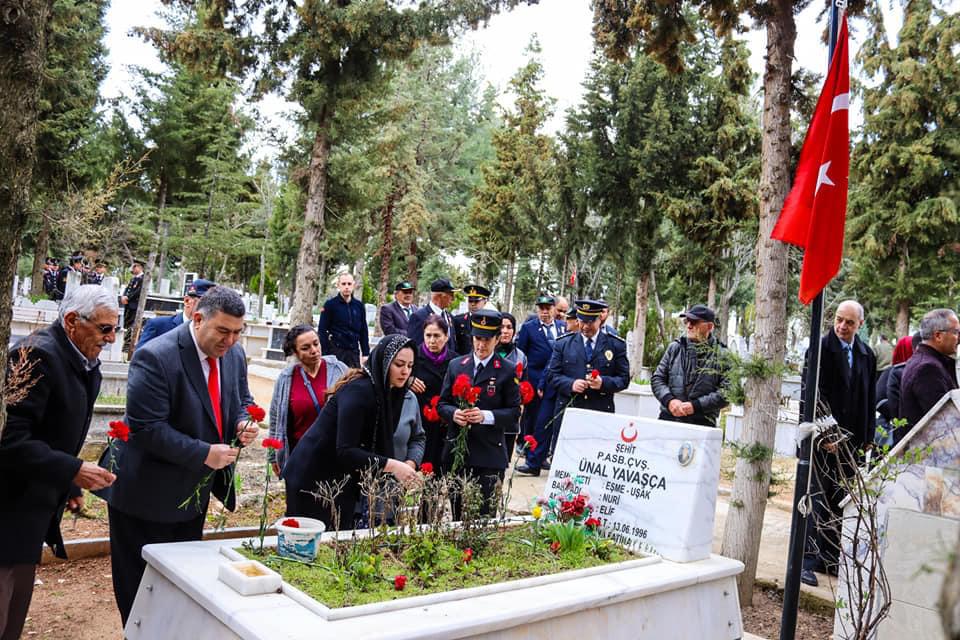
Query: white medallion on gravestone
[{"x": 685, "y": 455}]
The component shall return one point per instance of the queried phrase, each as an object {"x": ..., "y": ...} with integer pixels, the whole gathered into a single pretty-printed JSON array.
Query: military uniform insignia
[
  {"x": 496, "y": 363},
  {"x": 466, "y": 360},
  {"x": 492, "y": 387},
  {"x": 608, "y": 355}
]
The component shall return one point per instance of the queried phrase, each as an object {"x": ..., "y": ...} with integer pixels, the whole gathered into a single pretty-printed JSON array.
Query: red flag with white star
[{"x": 815, "y": 211}]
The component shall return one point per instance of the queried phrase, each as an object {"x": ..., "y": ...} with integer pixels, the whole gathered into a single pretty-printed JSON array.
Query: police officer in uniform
[
  {"x": 51, "y": 268},
  {"x": 477, "y": 297},
  {"x": 497, "y": 408},
  {"x": 76, "y": 265},
  {"x": 577, "y": 355}
]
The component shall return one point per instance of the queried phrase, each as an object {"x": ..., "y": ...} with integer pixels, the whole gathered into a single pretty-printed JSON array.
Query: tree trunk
[
  {"x": 305, "y": 292},
  {"x": 148, "y": 270},
  {"x": 950, "y": 597},
  {"x": 359, "y": 275},
  {"x": 386, "y": 256},
  {"x": 748, "y": 499},
  {"x": 661, "y": 328},
  {"x": 903, "y": 318},
  {"x": 640, "y": 324},
  {"x": 508, "y": 287},
  {"x": 162, "y": 261},
  {"x": 412, "y": 275},
  {"x": 41, "y": 246},
  {"x": 712, "y": 291},
  {"x": 23, "y": 52}
]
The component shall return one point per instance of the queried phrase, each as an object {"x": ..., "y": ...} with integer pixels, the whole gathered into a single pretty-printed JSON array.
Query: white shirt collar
[
  {"x": 477, "y": 360},
  {"x": 585, "y": 338},
  {"x": 437, "y": 310},
  {"x": 88, "y": 364}
]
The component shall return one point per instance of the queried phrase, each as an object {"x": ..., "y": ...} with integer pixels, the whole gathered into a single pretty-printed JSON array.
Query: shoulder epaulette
[{"x": 567, "y": 335}]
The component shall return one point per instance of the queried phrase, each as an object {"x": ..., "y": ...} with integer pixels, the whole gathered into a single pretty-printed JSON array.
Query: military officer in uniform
[
  {"x": 477, "y": 297},
  {"x": 76, "y": 265},
  {"x": 497, "y": 408},
  {"x": 51, "y": 267},
  {"x": 130, "y": 300}
]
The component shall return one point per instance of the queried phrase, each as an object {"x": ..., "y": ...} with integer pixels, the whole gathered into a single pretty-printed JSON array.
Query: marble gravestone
[{"x": 653, "y": 484}]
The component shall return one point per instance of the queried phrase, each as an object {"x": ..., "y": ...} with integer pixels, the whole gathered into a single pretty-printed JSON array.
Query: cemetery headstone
[{"x": 653, "y": 484}]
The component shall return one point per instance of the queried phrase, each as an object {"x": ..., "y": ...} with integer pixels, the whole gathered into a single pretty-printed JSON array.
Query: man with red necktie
[{"x": 187, "y": 396}]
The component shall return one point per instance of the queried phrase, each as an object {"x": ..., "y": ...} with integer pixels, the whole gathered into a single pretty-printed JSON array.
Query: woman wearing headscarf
[
  {"x": 300, "y": 391},
  {"x": 371, "y": 420},
  {"x": 433, "y": 358}
]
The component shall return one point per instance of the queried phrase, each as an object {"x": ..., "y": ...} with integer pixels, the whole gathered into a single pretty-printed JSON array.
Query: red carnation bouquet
[{"x": 467, "y": 396}]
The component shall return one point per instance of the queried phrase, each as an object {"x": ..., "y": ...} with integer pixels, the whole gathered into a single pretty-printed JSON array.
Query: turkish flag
[{"x": 815, "y": 211}]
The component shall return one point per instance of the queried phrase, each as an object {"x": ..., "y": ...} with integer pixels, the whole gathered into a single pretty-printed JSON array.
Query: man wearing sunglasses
[
  {"x": 47, "y": 422},
  {"x": 690, "y": 378}
]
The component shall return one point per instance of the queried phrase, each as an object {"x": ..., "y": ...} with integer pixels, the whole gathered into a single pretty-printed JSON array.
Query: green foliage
[
  {"x": 904, "y": 186},
  {"x": 753, "y": 453}
]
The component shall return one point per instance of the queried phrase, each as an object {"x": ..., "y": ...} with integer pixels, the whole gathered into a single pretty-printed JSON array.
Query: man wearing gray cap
[{"x": 691, "y": 376}]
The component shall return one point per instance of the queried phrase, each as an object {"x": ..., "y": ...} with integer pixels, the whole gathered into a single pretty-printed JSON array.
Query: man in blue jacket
[
  {"x": 536, "y": 339},
  {"x": 570, "y": 375},
  {"x": 343, "y": 325},
  {"x": 156, "y": 327}
]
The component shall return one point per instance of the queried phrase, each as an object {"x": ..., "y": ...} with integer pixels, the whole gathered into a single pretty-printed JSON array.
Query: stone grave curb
[{"x": 99, "y": 547}]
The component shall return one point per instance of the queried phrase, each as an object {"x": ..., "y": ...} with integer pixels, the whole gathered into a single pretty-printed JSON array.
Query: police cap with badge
[
  {"x": 198, "y": 287},
  {"x": 589, "y": 310}
]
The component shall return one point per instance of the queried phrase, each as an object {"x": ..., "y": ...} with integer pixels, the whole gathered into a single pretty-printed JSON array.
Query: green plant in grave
[
  {"x": 565, "y": 523},
  {"x": 423, "y": 554},
  {"x": 363, "y": 567}
]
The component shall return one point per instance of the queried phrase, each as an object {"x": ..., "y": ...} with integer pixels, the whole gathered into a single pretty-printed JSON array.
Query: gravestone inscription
[{"x": 653, "y": 484}]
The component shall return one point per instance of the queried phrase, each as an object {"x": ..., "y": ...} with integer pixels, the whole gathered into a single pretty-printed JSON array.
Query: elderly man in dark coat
[
  {"x": 45, "y": 429},
  {"x": 848, "y": 371},
  {"x": 931, "y": 371}
]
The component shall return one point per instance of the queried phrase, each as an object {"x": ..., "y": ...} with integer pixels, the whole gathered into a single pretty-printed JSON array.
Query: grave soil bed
[
  {"x": 432, "y": 565},
  {"x": 76, "y": 602}
]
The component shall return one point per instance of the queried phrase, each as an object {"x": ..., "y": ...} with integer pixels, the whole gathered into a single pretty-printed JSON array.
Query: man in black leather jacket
[{"x": 691, "y": 377}]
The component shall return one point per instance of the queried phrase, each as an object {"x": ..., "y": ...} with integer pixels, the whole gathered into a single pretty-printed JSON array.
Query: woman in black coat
[
  {"x": 354, "y": 432},
  {"x": 433, "y": 358}
]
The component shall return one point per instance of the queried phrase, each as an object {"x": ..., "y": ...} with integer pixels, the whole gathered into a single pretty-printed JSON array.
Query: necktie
[
  {"x": 476, "y": 372},
  {"x": 406, "y": 311},
  {"x": 588, "y": 350},
  {"x": 548, "y": 331},
  {"x": 213, "y": 388},
  {"x": 849, "y": 350}
]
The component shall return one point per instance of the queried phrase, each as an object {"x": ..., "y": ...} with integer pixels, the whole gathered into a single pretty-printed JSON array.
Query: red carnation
[
  {"x": 426, "y": 468},
  {"x": 473, "y": 395},
  {"x": 519, "y": 370},
  {"x": 431, "y": 414},
  {"x": 555, "y": 547},
  {"x": 592, "y": 523},
  {"x": 399, "y": 582},
  {"x": 531, "y": 442},
  {"x": 595, "y": 374},
  {"x": 291, "y": 522},
  {"x": 434, "y": 401},
  {"x": 461, "y": 386},
  {"x": 272, "y": 443},
  {"x": 526, "y": 392},
  {"x": 119, "y": 430},
  {"x": 467, "y": 555},
  {"x": 257, "y": 414}
]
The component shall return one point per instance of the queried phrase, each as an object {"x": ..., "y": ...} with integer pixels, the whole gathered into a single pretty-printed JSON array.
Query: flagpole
[{"x": 798, "y": 525}]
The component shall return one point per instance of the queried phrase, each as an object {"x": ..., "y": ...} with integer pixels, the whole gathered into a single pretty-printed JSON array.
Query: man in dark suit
[
  {"x": 441, "y": 296},
  {"x": 848, "y": 371},
  {"x": 536, "y": 339},
  {"x": 570, "y": 374},
  {"x": 477, "y": 297},
  {"x": 395, "y": 317},
  {"x": 186, "y": 404},
  {"x": 156, "y": 327},
  {"x": 50, "y": 271},
  {"x": 931, "y": 371},
  {"x": 130, "y": 301},
  {"x": 496, "y": 409},
  {"x": 343, "y": 328},
  {"x": 54, "y": 376},
  {"x": 75, "y": 266}
]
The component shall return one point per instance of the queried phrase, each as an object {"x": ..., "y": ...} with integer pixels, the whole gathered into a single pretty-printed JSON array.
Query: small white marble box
[{"x": 249, "y": 577}]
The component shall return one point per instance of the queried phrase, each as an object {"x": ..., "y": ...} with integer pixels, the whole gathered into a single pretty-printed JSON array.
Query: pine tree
[{"x": 905, "y": 182}]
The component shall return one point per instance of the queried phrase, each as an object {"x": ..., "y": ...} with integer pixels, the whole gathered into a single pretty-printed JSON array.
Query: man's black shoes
[
  {"x": 809, "y": 577},
  {"x": 526, "y": 470}
]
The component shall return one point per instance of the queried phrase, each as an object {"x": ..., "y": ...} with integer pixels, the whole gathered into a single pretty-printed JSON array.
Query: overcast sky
[{"x": 562, "y": 27}]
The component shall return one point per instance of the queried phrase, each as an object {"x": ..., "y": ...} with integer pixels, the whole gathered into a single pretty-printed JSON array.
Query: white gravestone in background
[{"x": 653, "y": 484}]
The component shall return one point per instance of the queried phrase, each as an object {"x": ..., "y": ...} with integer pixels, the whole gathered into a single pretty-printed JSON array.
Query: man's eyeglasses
[
  {"x": 690, "y": 322},
  {"x": 955, "y": 332},
  {"x": 105, "y": 329}
]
